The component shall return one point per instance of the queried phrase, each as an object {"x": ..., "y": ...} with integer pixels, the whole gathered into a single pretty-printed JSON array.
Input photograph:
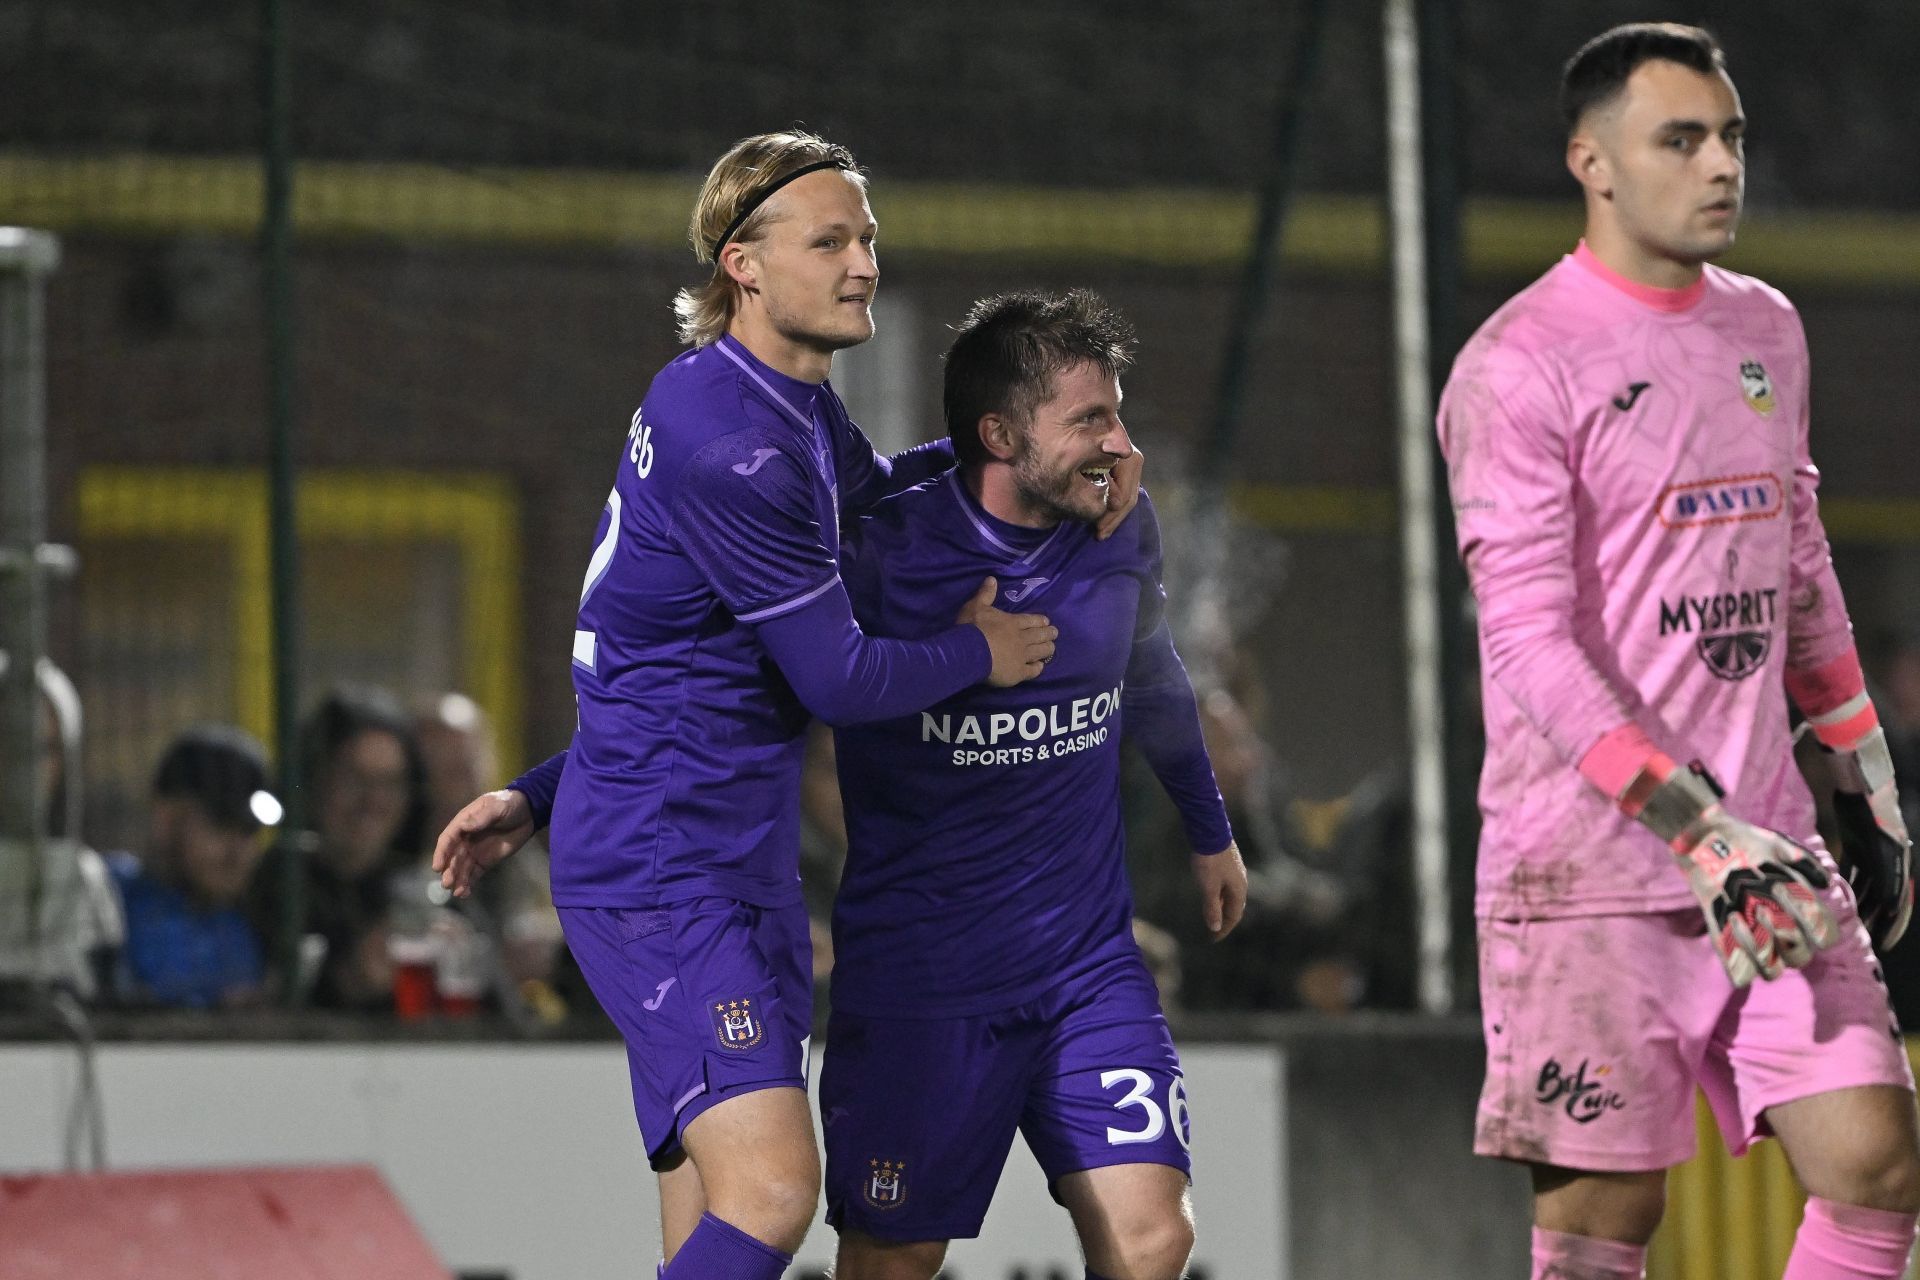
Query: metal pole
[
  {"x": 1425, "y": 725},
  {"x": 1441, "y": 149},
  {"x": 27, "y": 257},
  {"x": 276, "y": 247},
  {"x": 1250, "y": 303}
]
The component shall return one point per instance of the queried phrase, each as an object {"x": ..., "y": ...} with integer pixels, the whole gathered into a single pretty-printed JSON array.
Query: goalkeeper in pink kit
[{"x": 1627, "y": 447}]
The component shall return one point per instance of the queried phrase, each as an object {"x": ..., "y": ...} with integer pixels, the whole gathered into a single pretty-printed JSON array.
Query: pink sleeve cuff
[
  {"x": 1834, "y": 699},
  {"x": 1617, "y": 759},
  {"x": 1818, "y": 691}
]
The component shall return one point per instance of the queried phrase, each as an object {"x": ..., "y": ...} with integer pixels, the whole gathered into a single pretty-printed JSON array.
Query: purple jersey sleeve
[
  {"x": 1161, "y": 714},
  {"x": 745, "y": 515},
  {"x": 747, "y": 518},
  {"x": 845, "y": 676},
  {"x": 540, "y": 785},
  {"x": 868, "y": 476}
]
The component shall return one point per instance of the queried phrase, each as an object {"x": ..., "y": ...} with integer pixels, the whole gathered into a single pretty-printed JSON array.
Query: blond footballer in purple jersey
[
  {"x": 985, "y": 978},
  {"x": 713, "y": 624},
  {"x": 1627, "y": 443}
]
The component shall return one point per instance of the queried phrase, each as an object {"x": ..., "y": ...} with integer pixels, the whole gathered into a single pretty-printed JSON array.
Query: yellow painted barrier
[
  {"x": 148, "y": 194},
  {"x": 1729, "y": 1219},
  {"x": 478, "y": 515}
]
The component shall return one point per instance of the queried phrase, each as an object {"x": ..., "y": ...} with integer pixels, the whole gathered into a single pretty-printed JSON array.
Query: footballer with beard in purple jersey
[{"x": 985, "y": 977}]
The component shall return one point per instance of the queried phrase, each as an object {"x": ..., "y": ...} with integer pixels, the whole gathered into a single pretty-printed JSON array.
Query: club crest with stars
[
  {"x": 886, "y": 1185},
  {"x": 736, "y": 1024},
  {"x": 1756, "y": 386}
]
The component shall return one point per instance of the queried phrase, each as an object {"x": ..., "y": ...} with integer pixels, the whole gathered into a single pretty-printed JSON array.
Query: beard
[{"x": 1060, "y": 492}]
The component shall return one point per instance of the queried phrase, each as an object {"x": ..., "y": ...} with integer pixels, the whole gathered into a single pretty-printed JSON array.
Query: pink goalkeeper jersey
[{"x": 1636, "y": 509}]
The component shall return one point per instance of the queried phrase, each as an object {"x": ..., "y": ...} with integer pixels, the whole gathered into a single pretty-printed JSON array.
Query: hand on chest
[{"x": 1094, "y": 607}]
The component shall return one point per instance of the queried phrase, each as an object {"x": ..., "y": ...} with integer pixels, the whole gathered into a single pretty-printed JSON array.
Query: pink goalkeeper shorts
[{"x": 1599, "y": 1027}]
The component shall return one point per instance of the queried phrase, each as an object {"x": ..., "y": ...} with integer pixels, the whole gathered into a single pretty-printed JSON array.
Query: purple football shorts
[
  {"x": 714, "y": 998},
  {"x": 919, "y": 1113}
]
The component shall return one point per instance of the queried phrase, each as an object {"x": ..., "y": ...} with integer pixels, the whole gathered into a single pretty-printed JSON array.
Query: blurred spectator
[
  {"x": 1374, "y": 847},
  {"x": 458, "y": 752},
  {"x": 1288, "y": 952},
  {"x": 80, "y": 930},
  {"x": 823, "y": 853},
  {"x": 1162, "y": 953},
  {"x": 188, "y": 941},
  {"x": 1895, "y": 684},
  {"x": 1899, "y": 707},
  {"x": 513, "y": 906},
  {"x": 363, "y": 781}
]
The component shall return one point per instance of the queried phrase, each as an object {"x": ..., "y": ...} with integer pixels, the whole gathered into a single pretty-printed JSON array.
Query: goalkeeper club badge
[
  {"x": 886, "y": 1186},
  {"x": 736, "y": 1024},
  {"x": 1756, "y": 386}
]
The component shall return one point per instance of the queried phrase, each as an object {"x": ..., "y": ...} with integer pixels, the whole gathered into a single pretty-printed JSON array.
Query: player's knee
[
  {"x": 1891, "y": 1183},
  {"x": 788, "y": 1203},
  {"x": 864, "y": 1258},
  {"x": 776, "y": 1207},
  {"x": 1155, "y": 1246},
  {"x": 1627, "y": 1208}
]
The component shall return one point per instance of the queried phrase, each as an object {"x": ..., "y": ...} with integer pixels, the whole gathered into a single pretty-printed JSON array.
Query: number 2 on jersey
[{"x": 586, "y": 644}]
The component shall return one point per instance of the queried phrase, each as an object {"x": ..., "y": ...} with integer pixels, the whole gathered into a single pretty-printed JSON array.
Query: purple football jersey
[
  {"x": 986, "y": 857},
  {"x": 719, "y": 539}
]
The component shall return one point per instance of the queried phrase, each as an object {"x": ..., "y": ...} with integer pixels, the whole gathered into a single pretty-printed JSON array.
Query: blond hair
[{"x": 749, "y": 169}]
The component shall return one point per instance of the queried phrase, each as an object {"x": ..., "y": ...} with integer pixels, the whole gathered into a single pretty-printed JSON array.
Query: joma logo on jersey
[
  {"x": 1734, "y": 628},
  {"x": 886, "y": 1186},
  {"x": 1756, "y": 386},
  {"x": 1730, "y": 498},
  {"x": 760, "y": 457},
  {"x": 736, "y": 1024},
  {"x": 1026, "y": 589}
]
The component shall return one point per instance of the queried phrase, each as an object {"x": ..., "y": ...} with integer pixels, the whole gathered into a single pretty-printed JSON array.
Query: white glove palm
[{"x": 1760, "y": 893}]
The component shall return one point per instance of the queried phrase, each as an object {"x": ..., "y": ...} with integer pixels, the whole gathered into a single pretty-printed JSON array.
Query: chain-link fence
[{"x": 489, "y": 214}]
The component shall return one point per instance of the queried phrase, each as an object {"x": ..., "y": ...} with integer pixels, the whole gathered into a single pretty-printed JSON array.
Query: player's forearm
[
  {"x": 1819, "y": 633},
  {"x": 1162, "y": 718},
  {"x": 899, "y": 472},
  {"x": 1533, "y": 655},
  {"x": 844, "y": 676},
  {"x": 540, "y": 785}
]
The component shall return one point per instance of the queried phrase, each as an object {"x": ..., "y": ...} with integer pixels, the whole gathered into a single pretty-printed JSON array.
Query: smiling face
[
  {"x": 807, "y": 280},
  {"x": 1664, "y": 167},
  {"x": 362, "y": 802},
  {"x": 1062, "y": 458}
]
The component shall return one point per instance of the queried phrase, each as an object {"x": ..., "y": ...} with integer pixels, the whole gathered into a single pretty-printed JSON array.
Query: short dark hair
[
  {"x": 1599, "y": 71},
  {"x": 346, "y": 712},
  {"x": 224, "y": 771},
  {"x": 1010, "y": 346}
]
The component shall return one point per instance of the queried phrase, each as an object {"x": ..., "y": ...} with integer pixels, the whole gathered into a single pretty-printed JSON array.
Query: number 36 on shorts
[{"x": 1149, "y": 1114}]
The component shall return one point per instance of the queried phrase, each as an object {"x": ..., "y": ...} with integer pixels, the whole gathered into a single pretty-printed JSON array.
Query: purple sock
[{"x": 721, "y": 1251}]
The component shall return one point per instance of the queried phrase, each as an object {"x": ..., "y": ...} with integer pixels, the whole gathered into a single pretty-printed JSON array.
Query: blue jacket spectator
[{"x": 188, "y": 941}]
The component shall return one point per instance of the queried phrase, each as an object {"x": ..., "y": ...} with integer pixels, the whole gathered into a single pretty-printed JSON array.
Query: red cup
[{"x": 415, "y": 988}]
